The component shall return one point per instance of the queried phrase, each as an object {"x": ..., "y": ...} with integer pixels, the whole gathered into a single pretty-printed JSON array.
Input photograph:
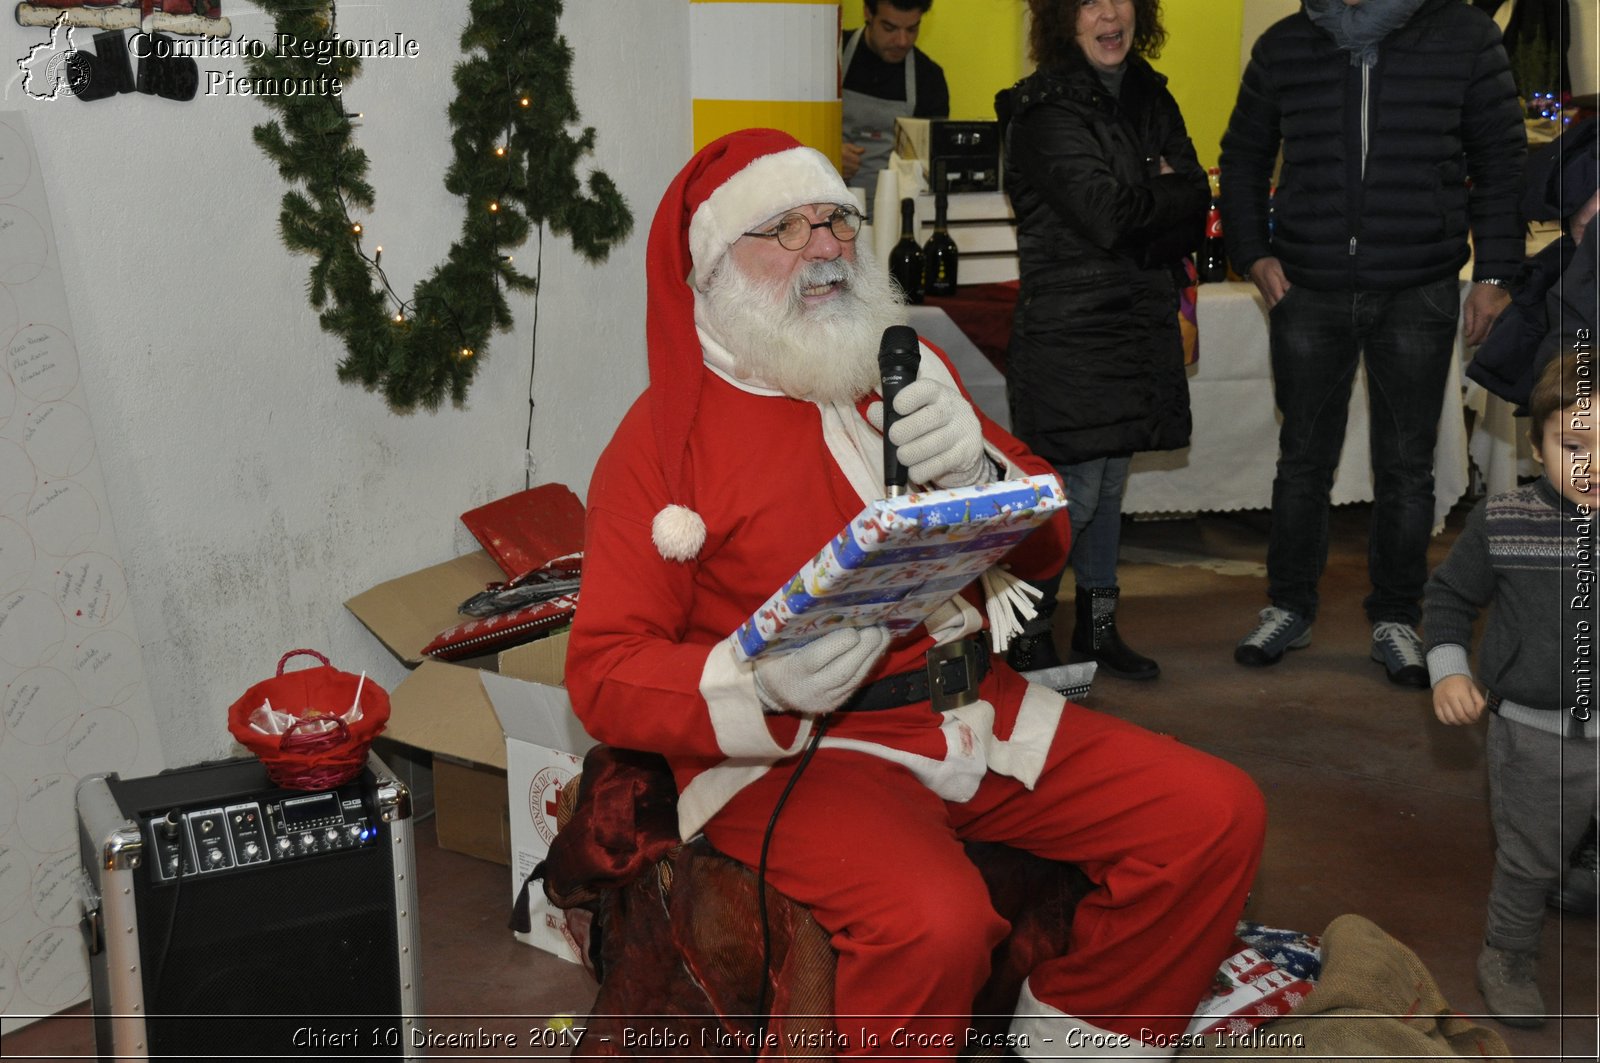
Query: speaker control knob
[
  {"x": 332, "y": 836},
  {"x": 215, "y": 856},
  {"x": 307, "y": 841},
  {"x": 252, "y": 849},
  {"x": 284, "y": 845}
]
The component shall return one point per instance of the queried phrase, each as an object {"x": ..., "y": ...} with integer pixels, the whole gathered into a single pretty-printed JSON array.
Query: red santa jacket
[{"x": 649, "y": 664}]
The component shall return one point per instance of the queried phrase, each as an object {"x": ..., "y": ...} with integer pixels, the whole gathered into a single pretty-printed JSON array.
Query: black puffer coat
[
  {"x": 1373, "y": 191},
  {"x": 1095, "y": 366}
]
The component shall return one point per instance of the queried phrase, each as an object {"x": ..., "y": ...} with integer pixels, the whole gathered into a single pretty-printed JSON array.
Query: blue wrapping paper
[{"x": 898, "y": 560}]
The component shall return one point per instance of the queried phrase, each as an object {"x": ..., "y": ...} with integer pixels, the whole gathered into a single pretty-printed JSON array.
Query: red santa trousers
[{"x": 1171, "y": 836}]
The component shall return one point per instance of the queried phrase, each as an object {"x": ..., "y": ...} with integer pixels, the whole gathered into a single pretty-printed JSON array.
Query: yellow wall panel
[
  {"x": 1201, "y": 63},
  {"x": 816, "y": 125},
  {"x": 982, "y": 45}
]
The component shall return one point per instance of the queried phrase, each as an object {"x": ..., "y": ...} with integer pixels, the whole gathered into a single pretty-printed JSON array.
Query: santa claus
[{"x": 757, "y": 440}]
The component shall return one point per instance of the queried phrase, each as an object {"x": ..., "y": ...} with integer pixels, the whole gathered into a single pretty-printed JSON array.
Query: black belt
[{"x": 949, "y": 680}]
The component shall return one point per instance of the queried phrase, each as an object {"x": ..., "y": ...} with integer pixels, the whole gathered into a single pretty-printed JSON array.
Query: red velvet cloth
[
  {"x": 678, "y": 932},
  {"x": 983, "y": 312},
  {"x": 625, "y": 820}
]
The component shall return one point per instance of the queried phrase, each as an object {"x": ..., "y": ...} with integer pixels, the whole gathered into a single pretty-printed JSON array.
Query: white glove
[
  {"x": 937, "y": 436},
  {"x": 821, "y": 675}
]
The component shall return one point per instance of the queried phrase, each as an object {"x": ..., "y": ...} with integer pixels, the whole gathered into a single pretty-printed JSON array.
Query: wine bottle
[
  {"x": 940, "y": 251},
  {"x": 905, "y": 260}
]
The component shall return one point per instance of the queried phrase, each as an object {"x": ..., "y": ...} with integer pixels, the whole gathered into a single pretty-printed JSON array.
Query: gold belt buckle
[{"x": 953, "y": 674}]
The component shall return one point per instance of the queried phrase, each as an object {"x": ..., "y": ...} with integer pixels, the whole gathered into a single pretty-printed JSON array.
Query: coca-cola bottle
[
  {"x": 905, "y": 259},
  {"x": 1213, "y": 263}
]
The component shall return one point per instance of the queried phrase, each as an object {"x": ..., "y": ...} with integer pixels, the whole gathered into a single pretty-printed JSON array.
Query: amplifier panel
[{"x": 258, "y": 913}]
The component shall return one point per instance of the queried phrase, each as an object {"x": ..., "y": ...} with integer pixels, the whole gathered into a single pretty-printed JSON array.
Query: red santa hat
[{"x": 731, "y": 185}]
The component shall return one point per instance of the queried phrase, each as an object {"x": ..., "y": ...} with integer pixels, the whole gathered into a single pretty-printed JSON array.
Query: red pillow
[{"x": 490, "y": 634}]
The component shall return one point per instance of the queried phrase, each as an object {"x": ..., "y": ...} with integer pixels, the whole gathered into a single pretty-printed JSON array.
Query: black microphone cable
[
  {"x": 899, "y": 356},
  {"x": 761, "y": 882}
]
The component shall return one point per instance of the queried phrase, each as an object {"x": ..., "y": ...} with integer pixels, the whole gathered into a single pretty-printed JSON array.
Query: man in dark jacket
[{"x": 1401, "y": 131}]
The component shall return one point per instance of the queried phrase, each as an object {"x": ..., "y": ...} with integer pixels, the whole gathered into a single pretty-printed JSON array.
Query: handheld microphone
[{"x": 898, "y": 358}]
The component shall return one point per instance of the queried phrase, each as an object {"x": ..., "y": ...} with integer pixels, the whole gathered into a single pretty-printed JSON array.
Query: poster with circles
[{"x": 73, "y": 699}]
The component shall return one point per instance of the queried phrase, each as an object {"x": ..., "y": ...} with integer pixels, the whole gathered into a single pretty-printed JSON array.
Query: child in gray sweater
[{"x": 1531, "y": 551}]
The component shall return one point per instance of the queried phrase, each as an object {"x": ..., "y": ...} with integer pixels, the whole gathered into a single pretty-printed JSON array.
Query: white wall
[{"x": 252, "y": 492}]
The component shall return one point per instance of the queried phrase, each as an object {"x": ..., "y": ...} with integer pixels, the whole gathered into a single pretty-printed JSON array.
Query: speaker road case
[{"x": 231, "y": 917}]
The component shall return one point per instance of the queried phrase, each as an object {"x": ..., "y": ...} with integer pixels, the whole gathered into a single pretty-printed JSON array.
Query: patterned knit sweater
[{"x": 1531, "y": 552}]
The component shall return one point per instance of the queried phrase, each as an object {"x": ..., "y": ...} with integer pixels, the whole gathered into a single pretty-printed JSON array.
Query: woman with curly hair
[{"x": 1109, "y": 199}]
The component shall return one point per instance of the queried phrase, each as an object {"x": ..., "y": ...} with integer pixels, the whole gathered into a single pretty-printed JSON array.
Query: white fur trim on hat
[
  {"x": 764, "y": 189},
  {"x": 678, "y": 532}
]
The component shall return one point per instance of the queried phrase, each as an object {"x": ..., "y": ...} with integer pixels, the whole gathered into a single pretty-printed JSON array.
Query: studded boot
[
  {"x": 1095, "y": 637},
  {"x": 1034, "y": 650}
]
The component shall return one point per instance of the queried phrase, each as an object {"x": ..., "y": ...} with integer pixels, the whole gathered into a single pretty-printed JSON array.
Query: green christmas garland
[{"x": 514, "y": 166}]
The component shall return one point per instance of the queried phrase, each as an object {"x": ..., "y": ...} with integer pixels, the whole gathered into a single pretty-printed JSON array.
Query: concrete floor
[{"x": 1375, "y": 808}]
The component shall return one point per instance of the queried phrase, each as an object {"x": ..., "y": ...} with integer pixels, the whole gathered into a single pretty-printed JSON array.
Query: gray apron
[{"x": 869, "y": 121}]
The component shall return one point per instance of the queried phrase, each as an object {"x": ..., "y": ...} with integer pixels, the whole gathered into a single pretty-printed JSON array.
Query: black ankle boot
[
  {"x": 1034, "y": 650},
  {"x": 1095, "y": 637},
  {"x": 1033, "y": 653}
]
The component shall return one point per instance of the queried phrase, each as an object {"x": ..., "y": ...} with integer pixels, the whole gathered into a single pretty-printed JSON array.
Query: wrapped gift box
[{"x": 899, "y": 559}]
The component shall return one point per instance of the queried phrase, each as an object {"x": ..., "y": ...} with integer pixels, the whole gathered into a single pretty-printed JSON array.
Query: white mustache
[{"x": 819, "y": 274}]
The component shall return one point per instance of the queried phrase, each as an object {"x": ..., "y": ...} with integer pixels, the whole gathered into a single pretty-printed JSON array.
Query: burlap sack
[{"x": 1374, "y": 999}]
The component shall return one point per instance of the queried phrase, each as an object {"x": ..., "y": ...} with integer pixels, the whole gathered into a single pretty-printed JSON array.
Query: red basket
[{"x": 302, "y": 759}]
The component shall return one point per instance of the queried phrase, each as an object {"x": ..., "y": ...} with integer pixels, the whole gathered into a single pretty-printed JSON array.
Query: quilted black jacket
[
  {"x": 1374, "y": 192},
  {"x": 1095, "y": 366}
]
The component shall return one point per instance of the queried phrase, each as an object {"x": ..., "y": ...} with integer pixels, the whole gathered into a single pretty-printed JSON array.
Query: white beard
[{"x": 824, "y": 353}]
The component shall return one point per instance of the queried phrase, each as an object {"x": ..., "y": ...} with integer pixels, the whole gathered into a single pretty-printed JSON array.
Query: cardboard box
[{"x": 501, "y": 730}]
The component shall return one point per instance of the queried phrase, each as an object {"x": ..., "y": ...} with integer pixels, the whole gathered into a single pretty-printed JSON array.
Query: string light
[{"x": 333, "y": 173}]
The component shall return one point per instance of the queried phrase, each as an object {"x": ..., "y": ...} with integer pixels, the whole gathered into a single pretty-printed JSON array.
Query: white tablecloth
[{"x": 1233, "y": 452}]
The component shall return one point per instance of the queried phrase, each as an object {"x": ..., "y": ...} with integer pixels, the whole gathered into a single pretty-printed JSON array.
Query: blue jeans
[
  {"x": 1094, "y": 505},
  {"x": 1405, "y": 339}
]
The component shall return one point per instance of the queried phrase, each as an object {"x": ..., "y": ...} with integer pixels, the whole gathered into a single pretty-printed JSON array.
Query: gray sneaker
[
  {"x": 1277, "y": 631},
  {"x": 1398, "y": 648},
  {"x": 1507, "y": 981}
]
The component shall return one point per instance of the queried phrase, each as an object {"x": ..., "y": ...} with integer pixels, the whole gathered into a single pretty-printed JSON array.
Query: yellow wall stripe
[{"x": 817, "y": 125}]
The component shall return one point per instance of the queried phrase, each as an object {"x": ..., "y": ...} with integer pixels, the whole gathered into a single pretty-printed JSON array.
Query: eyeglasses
[{"x": 793, "y": 231}]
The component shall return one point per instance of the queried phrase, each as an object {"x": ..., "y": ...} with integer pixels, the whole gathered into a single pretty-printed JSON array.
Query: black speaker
[{"x": 232, "y": 917}]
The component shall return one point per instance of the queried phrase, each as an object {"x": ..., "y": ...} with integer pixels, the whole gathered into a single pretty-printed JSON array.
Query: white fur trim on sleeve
[{"x": 729, "y": 687}]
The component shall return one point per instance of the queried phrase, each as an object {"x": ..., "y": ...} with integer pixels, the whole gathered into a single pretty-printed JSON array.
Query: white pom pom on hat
[
  {"x": 730, "y": 186},
  {"x": 678, "y": 532}
]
